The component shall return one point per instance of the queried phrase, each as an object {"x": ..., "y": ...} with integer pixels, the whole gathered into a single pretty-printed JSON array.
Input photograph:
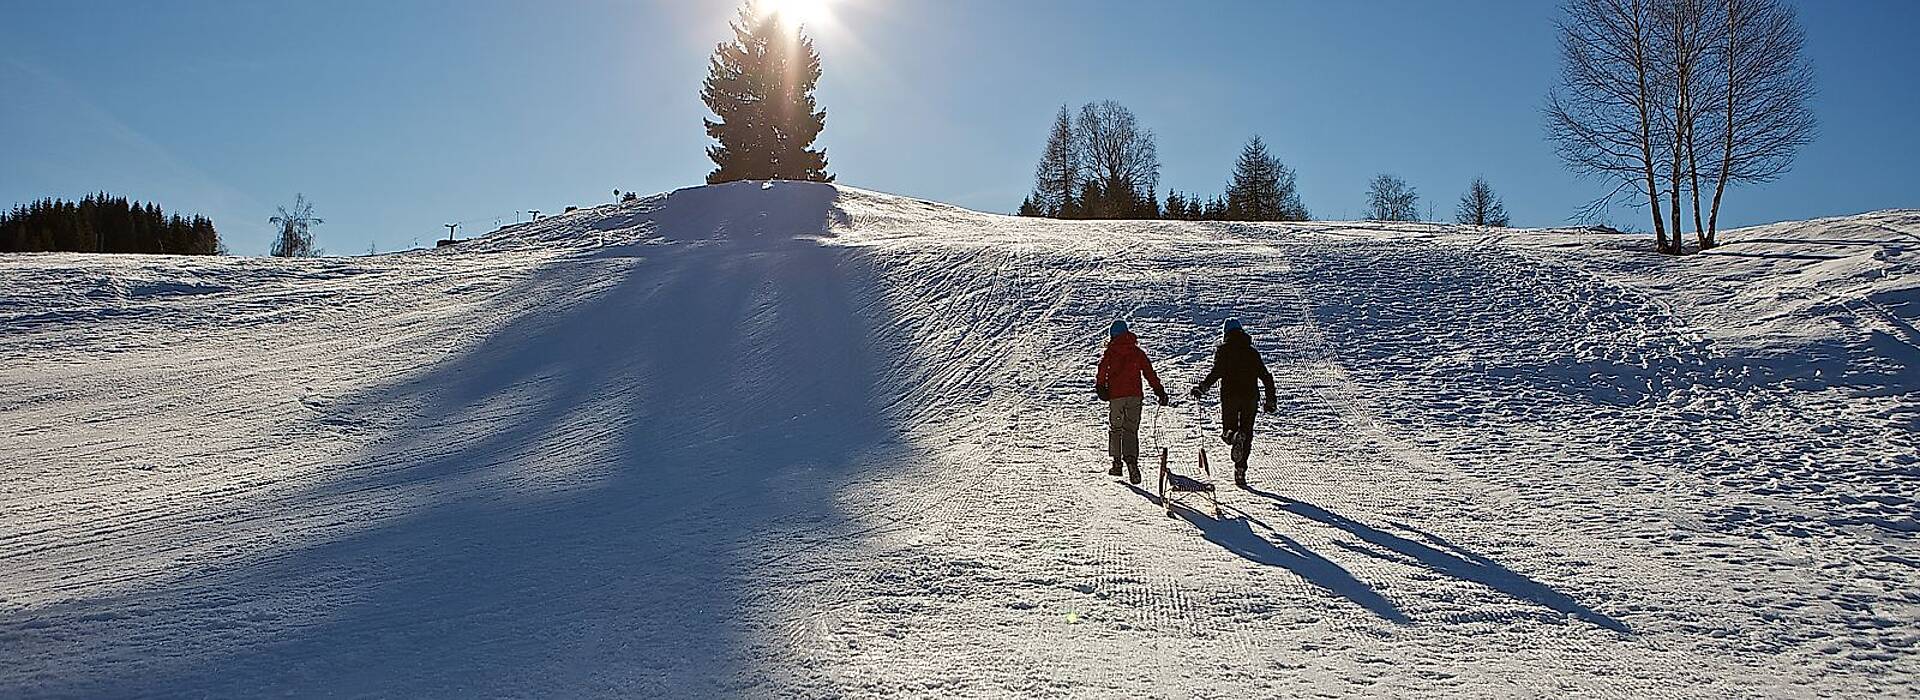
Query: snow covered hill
[{"x": 808, "y": 440}]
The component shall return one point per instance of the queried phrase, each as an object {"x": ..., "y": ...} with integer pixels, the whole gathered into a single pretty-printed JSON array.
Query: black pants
[{"x": 1236, "y": 416}]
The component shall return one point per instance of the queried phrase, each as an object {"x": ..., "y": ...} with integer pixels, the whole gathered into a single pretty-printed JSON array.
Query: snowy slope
[{"x": 812, "y": 440}]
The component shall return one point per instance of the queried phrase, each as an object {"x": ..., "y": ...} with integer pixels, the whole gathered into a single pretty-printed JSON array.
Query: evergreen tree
[
  {"x": 1176, "y": 205},
  {"x": 1028, "y": 208},
  {"x": 1214, "y": 210},
  {"x": 1262, "y": 188},
  {"x": 1071, "y": 208},
  {"x": 1058, "y": 176},
  {"x": 1092, "y": 202},
  {"x": 760, "y": 85},
  {"x": 1480, "y": 206},
  {"x": 103, "y": 223},
  {"x": 1291, "y": 208},
  {"x": 1146, "y": 204},
  {"x": 1254, "y": 192}
]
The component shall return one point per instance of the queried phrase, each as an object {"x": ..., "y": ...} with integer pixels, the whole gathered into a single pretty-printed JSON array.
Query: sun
[{"x": 811, "y": 14}]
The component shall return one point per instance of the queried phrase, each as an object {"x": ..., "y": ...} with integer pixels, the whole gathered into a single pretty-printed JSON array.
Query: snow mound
[
  {"x": 1866, "y": 263},
  {"x": 741, "y": 213}
]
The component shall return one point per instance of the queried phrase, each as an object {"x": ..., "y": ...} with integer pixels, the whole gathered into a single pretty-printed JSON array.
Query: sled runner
[{"x": 1172, "y": 484}]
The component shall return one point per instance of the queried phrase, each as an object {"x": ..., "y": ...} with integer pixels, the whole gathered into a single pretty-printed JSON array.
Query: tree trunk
[
  {"x": 1693, "y": 174},
  {"x": 1646, "y": 137},
  {"x": 1680, "y": 58},
  {"x": 1693, "y": 154},
  {"x": 1726, "y": 155}
]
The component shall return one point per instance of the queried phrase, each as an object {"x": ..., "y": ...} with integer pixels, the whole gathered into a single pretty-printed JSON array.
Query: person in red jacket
[{"x": 1118, "y": 384}]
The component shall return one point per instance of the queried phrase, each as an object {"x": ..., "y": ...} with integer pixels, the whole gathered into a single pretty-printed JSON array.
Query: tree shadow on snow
[
  {"x": 1446, "y": 558},
  {"x": 576, "y": 505},
  {"x": 1236, "y": 535}
]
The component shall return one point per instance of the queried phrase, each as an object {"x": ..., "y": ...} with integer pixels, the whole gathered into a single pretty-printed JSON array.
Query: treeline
[
  {"x": 1102, "y": 165},
  {"x": 103, "y": 223},
  {"x": 1261, "y": 189}
]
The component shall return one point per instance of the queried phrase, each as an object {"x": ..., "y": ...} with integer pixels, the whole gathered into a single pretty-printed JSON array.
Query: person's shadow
[
  {"x": 1236, "y": 535},
  {"x": 1444, "y": 557}
]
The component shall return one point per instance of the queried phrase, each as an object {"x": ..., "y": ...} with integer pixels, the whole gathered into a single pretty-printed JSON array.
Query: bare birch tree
[
  {"x": 1601, "y": 120},
  {"x": 1681, "y": 41},
  {"x": 1766, "y": 83},
  {"x": 1657, "y": 94}
]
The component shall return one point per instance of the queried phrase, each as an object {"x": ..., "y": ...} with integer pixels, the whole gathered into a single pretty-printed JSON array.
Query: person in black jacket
[{"x": 1236, "y": 365}]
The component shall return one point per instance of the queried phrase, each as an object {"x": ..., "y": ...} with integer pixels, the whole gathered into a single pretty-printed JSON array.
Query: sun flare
[{"x": 812, "y": 14}]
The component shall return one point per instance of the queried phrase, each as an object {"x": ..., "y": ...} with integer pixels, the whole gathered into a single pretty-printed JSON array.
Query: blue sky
[{"x": 396, "y": 116}]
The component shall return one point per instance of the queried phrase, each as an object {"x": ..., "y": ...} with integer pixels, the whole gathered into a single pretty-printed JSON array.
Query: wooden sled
[{"x": 1172, "y": 485}]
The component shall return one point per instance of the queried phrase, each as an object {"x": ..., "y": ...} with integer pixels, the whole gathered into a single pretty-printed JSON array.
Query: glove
[
  {"x": 1271, "y": 407},
  {"x": 1101, "y": 391},
  {"x": 1197, "y": 393},
  {"x": 1164, "y": 401}
]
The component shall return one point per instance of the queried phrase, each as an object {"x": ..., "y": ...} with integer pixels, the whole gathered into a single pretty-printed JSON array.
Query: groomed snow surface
[{"x": 799, "y": 440}]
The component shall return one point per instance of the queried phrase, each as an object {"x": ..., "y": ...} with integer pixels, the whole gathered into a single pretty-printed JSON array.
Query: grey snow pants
[{"x": 1123, "y": 428}]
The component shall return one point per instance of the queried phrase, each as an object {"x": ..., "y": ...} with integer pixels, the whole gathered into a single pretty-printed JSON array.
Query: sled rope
[{"x": 1157, "y": 433}]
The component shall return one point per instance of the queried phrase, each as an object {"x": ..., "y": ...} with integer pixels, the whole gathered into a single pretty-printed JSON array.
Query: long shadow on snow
[
  {"x": 638, "y": 441},
  {"x": 1449, "y": 559},
  {"x": 1236, "y": 535}
]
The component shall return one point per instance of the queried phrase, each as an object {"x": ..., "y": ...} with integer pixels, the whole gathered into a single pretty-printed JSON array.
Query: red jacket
[{"x": 1121, "y": 367}]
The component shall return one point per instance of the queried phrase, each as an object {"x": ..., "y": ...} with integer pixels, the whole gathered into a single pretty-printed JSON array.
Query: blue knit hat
[
  {"x": 1118, "y": 328},
  {"x": 1233, "y": 324}
]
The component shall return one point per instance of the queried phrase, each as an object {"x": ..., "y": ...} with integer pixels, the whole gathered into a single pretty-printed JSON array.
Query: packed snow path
[{"x": 806, "y": 440}]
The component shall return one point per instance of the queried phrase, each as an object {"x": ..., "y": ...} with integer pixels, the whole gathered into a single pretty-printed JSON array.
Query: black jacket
[{"x": 1236, "y": 365}]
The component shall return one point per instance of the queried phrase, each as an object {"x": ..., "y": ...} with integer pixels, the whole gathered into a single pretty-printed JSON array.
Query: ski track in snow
[{"x": 810, "y": 441}]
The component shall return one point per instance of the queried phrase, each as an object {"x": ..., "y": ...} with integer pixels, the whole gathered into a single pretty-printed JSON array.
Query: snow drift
[{"x": 807, "y": 439}]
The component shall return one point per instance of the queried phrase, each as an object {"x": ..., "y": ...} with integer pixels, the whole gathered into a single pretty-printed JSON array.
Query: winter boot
[
  {"x": 1133, "y": 471},
  {"x": 1115, "y": 469},
  {"x": 1226, "y": 436},
  {"x": 1240, "y": 475}
]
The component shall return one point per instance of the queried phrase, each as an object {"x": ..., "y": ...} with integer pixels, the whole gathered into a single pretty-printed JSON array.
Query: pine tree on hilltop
[
  {"x": 1214, "y": 210},
  {"x": 1092, "y": 202},
  {"x": 1147, "y": 206},
  {"x": 1291, "y": 208},
  {"x": 1028, "y": 208},
  {"x": 1262, "y": 189},
  {"x": 1058, "y": 177},
  {"x": 760, "y": 85},
  {"x": 1254, "y": 192}
]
